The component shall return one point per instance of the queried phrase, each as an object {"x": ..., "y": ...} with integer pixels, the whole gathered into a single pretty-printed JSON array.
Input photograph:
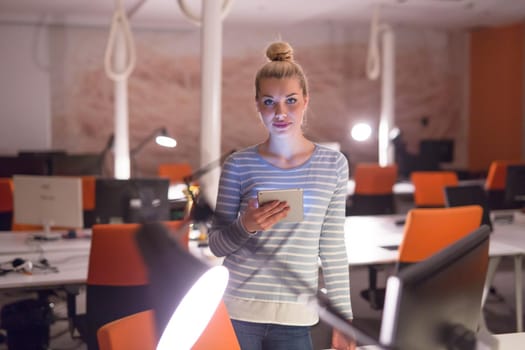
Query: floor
[{"x": 499, "y": 309}]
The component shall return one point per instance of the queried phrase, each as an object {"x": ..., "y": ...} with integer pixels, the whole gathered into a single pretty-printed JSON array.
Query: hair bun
[{"x": 279, "y": 51}]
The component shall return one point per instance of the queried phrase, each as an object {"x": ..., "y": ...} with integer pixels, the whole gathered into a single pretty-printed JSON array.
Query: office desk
[
  {"x": 400, "y": 188},
  {"x": 407, "y": 187},
  {"x": 366, "y": 235},
  {"x": 72, "y": 271},
  {"x": 14, "y": 242},
  {"x": 507, "y": 341}
]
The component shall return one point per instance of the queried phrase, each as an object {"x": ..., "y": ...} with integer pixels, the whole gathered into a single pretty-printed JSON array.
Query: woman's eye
[
  {"x": 268, "y": 102},
  {"x": 291, "y": 100}
]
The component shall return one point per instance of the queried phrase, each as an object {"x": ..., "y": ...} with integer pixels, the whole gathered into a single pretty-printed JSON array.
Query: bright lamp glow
[
  {"x": 361, "y": 132},
  {"x": 195, "y": 310},
  {"x": 165, "y": 141}
]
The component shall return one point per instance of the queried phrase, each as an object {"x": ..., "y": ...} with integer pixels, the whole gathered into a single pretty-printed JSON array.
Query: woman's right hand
[{"x": 260, "y": 218}]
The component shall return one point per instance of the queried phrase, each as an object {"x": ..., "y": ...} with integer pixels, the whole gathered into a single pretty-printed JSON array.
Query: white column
[
  {"x": 121, "y": 145},
  {"x": 211, "y": 65},
  {"x": 386, "y": 122}
]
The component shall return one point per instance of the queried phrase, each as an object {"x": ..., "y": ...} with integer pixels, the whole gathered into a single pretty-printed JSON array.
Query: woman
[{"x": 271, "y": 263}]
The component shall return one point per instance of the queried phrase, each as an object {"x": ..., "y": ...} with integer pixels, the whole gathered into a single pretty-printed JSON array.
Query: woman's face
[{"x": 281, "y": 105}]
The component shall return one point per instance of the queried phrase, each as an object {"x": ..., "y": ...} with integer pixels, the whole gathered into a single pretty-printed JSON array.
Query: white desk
[
  {"x": 72, "y": 270},
  {"x": 507, "y": 341},
  {"x": 407, "y": 187},
  {"x": 69, "y": 256},
  {"x": 14, "y": 242},
  {"x": 366, "y": 235},
  {"x": 404, "y": 187}
]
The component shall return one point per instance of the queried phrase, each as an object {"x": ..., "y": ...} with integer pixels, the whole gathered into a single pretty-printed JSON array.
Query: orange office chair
[
  {"x": 427, "y": 231},
  {"x": 430, "y": 230},
  {"x": 175, "y": 171},
  {"x": 137, "y": 332},
  {"x": 133, "y": 332},
  {"x": 373, "y": 193},
  {"x": 88, "y": 199},
  {"x": 6, "y": 203},
  {"x": 429, "y": 187},
  {"x": 496, "y": 181},
  {"x": 117, "y": 278}
]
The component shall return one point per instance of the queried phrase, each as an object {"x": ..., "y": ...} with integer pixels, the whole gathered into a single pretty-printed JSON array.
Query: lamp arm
[
  {"x": 143, "y": 143},
  {"x": 203, "y": 171}
]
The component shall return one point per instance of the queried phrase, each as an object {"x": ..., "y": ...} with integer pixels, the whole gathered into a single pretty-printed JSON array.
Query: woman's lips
[{"x": 281, "y": 125}]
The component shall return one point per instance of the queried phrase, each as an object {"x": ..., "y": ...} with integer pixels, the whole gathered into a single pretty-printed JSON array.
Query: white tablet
[{"x": 294, "y": 198}]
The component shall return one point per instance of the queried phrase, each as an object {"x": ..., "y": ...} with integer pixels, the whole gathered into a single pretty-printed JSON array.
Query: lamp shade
[
  {"x": 161, "y": 138},
  {"x": 184, "y": 291}
]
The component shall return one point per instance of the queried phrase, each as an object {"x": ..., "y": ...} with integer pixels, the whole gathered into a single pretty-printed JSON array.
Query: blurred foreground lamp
[
  {"x": 161, "y": 138},
  {"x": 185, "y": 292}
]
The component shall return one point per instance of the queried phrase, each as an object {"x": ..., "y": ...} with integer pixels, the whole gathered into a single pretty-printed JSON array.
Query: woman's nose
[{"x": 280, "y": 110}]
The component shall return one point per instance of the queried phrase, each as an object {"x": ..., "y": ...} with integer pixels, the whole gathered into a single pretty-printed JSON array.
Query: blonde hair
[{"x": 281, "y": 65}]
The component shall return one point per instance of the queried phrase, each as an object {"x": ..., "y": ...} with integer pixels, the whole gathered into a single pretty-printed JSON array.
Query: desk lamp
[
  {"x": 185, "y": 292},
  {"x": 161, "y": 138}
]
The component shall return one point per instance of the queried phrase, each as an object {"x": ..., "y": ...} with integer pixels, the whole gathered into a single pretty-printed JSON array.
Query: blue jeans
[{"x": 267, "y": 336}]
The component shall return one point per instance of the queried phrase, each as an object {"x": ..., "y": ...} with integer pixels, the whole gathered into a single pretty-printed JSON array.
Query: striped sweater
[{"x": 269, "y": 269}]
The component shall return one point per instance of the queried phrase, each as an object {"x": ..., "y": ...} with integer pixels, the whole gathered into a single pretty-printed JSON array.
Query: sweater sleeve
[
  {"x": 332, "y": 249},
  {"x": 227, "y": 234}
]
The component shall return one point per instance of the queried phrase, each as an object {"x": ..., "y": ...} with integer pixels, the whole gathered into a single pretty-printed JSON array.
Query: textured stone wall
[{"x": 164, "y": 89}]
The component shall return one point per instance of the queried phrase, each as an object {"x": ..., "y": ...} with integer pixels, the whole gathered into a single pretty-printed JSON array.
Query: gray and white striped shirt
[{"x": 269, "y": 269}]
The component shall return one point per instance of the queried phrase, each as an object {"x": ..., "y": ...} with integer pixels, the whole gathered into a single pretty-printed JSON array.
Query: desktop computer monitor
[
  {"x": 133, "y": 200},
  {"x": 51, "y": 201},
  {"x": 441, "y": 150},
  {"x": 437, "y": 301},
  {"x": 515, "y": 186},
  {"x": 456, "y": 196}
]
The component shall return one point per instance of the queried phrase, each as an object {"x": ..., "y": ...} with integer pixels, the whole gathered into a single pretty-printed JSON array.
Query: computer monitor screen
[
  {"x": 77, "y": 164},
  {"x": 515, "y": 185},
  {"x": 442, "y": 150},
  {"x": 456, "y": 196},
  {"x": 430, "y": 304},
  {"x": 51, "y": 201},
  {"x": 133, "y": 200}
]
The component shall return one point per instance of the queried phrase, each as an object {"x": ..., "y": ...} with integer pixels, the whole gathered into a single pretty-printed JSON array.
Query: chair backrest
[
  {"x": 133, "y": 332},
  {"x": 495, "y": 184},
  {"x": 6, "y": 194},
  {"x": 88, "y": 192},
  {"x": 175, "y": 171},
  {"x": 429, "y": 187},
  {"x": 220, "y": 327},
  {"x": 431, "y": 229},
  {"x": 373, "y": 179},
  {"x": 373, "y": 194},
  {"x": 6, "y": 203},
  {"x": 497, "y": 173},
  {"x": 137, "y": 332},
  {"x": 117, "y": 282}
]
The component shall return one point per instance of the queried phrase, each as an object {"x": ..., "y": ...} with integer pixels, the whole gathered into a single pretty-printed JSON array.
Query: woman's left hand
[{"x": 340, "y": 342}]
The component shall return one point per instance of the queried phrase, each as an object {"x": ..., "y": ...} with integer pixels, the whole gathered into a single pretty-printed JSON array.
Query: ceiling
[{"x": 168, "y": 14}]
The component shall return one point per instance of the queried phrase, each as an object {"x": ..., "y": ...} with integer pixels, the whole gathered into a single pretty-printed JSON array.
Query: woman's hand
[
  {"x": 261, "y": 218},
  {"x": 340, "y": 342}
]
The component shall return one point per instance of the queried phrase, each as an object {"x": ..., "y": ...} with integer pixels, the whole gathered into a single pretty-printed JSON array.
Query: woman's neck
[{"x": 286, "y": 153}]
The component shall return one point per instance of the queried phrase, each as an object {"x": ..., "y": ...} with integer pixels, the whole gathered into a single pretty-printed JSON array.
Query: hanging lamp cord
[
  {"x": 373, "y": 67},
  {"x": 195, "y": 18},
  {"x": 119, "y": 22}
]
